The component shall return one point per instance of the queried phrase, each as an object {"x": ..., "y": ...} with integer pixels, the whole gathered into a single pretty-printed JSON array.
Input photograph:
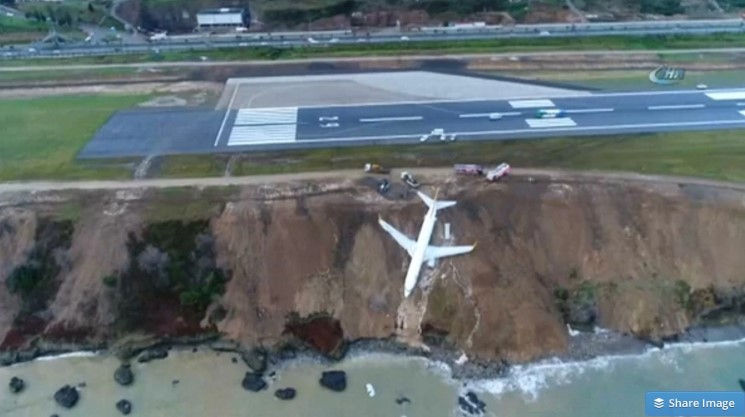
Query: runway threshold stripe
[
  {"x": 544, "y": 123},
  {"x": 727, "y": 95},
  {"x": 531, "y": 104},
  {"x": 742, "y": 112},
  {"x": 392, "y": 119},
  {"x": 678, "y": 107}
]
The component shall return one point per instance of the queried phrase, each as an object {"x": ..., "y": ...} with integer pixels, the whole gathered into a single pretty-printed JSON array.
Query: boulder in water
[
  {"x": 285, "y": 393},
  {"x": 124, "y": 376},
  {"x": 124, "y": 407},
  {"x": 253, "y": 382},
  {"x": 334, "y": 380},
  {"x": 16, "y": 385},
  {"x": 742, "y": 383},
  {"x": 473, "y": 399},
  {"x": 402, "y": 400},
  {"x": 255, "y": 359},
  {"x": 67, "y": 396},
  {"x": 466, "y": 406}
]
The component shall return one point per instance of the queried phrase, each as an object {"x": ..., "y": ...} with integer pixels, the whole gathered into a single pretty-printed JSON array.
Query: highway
[
  {"x": 600, "y": 114},
  {"x": 320, "y": 39}
]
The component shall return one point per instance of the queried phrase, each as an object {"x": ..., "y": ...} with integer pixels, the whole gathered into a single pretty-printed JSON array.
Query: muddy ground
[{"x": 306, "y": 262}]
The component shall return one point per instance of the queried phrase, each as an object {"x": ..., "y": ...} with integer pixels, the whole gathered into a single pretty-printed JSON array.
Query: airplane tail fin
[{"x": 438, "y": 205}]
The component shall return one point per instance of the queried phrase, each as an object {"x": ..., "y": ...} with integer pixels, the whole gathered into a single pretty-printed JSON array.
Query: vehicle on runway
[
  {"x": 495, "y": 116},
  {"x": 550, "y": 113},
  {"x": 420, "y": 250},
  {"x": 329, "y": 124},
  {"x": 437, "y": 133}
]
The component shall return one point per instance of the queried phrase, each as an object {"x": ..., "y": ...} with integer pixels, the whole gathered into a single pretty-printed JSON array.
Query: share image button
[{"x": 694, "y": 403}]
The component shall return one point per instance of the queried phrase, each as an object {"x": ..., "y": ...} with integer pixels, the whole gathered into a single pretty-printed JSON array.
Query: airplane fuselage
[{"x": 417, "y": 258}]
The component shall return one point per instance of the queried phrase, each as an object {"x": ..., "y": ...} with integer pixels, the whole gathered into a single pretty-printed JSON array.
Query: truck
[
  {"x": 376, "y": 169},
  {"x": 468, "y": 169},
  {"x": 500, "y": 171}
]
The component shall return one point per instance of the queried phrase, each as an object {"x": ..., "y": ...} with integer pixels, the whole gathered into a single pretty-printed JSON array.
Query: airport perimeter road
[
  {"x": 601, "y": 114},
  {"x": 235, "y": 40}
]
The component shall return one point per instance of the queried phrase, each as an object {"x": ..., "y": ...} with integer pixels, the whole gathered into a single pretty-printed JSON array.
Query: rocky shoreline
[{"x": 583, "y": 346}]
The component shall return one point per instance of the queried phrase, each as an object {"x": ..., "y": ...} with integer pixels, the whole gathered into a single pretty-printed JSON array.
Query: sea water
[{"x": 208, "y": 384}]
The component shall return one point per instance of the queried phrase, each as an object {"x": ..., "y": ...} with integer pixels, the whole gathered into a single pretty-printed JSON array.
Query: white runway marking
[
  {"x": 530, "y": 104},
  {"x": 590, "y": 110},
  {"x": 227, "y": 113},
  {"x": 392, "y": 119},
  {"x": 741, "y": 104},
  {"x": 727, "y": 95},
  {"x": 560, "y": 122},
  {"x": 255, "y": 135},
  {"x": 742, "y": 112},
  {"x": 266, "y": 116},
  {"x": 678, "y": 107},
  {"x": 475, "y": 115}
]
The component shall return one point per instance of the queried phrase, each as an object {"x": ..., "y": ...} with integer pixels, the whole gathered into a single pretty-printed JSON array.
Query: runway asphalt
[{"x": 249, "y": 130}]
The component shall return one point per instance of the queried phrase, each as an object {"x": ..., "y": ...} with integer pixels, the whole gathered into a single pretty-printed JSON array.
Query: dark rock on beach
[
  {"x": 255, "y": 359},
  {"x": 124, "y": 407},
  {"x": 67, "y": 396},
  {"x": 153, "y": 354},
  {"x": 334, "y": 380},
  {"x": 253, "y": 382},
  {"x": 285, "y": 393},
  {"x": 16, "y": 385},
  {"x": 123, "y": 375}
]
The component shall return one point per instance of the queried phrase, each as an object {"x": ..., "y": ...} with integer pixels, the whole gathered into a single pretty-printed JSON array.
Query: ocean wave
[{"x": 529, "y": 380}]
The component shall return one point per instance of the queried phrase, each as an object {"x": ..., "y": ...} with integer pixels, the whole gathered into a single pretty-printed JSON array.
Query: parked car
[
  {"x": 384, "y": 186},
  {"x": 409, "y": 180}
]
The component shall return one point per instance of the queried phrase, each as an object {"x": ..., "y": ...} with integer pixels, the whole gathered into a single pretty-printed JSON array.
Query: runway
[
  {"x": 264, "y": 129},
  {"x": 297, "y": 127}
]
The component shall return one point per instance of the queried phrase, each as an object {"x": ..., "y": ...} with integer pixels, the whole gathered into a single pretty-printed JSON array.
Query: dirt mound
[{"x": 262, "y": 264}]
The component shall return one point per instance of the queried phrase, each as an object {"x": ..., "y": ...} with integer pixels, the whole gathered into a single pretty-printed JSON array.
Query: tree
[{"x": 90, "y": 8}]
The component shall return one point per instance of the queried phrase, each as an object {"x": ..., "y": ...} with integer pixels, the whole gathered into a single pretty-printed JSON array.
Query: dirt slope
[{"x": 260, "y": 263}]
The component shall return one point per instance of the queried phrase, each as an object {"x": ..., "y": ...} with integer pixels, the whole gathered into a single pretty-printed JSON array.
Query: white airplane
[{"x": 420, "y": 250}]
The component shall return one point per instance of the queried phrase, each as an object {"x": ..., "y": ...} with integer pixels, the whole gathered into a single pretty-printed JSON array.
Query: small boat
[{"x": 370, "y": 390}]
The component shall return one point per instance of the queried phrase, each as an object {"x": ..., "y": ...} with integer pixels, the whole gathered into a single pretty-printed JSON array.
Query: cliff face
[{"x": 263, "y": 264}]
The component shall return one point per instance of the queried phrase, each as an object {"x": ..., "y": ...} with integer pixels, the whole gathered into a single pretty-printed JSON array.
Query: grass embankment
[
  {"x": 41, "y": 137},
  {"x": 610, "y": 43},
  {"x": 632, "y": 80}
]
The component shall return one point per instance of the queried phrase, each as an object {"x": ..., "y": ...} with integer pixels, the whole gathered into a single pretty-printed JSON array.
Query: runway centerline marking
[
  {"x": 606, "y": 110},
  {"x": 392, "y": 119},
  {"x": 678, "y": 107},
  {"x": 475, "y": 115},
  {"x": 742, "y": 112}
]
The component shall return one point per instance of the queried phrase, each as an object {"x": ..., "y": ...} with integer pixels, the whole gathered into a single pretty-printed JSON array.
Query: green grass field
[
  {"x": 631, "y": 80},
  {"x": 40, "y": 138}
]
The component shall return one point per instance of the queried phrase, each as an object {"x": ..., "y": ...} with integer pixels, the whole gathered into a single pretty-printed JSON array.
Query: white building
[{"x": 222, "y": 18}]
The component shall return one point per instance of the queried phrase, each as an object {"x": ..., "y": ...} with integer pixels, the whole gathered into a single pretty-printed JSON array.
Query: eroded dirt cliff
[{"x": 265, "y": 265}]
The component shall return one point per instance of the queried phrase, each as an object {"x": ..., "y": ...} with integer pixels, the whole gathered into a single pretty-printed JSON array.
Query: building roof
[{"x": 224, "y": 10}]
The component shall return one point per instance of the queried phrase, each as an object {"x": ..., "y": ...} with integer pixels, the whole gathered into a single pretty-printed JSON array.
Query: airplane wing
[
  {"x": 402, "y": 240},
  {"x": 435, "y": 252}
]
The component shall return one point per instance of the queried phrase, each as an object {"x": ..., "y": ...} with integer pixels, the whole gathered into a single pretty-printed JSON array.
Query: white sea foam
[
  {"x": 572, "y": 332},
  {"x": 530, "y": 379}
]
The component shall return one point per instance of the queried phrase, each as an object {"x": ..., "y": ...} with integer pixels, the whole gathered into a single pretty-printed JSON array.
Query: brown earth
[{"x": 309, "y": 260}]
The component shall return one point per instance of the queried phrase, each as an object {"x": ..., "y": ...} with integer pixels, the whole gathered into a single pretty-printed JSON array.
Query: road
[
  {"x": 498, "y": 55},
  {"x": 234, "y": 40},
  {"x": 348, "y": 175},
  {"x": 145, "y": 132}
]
